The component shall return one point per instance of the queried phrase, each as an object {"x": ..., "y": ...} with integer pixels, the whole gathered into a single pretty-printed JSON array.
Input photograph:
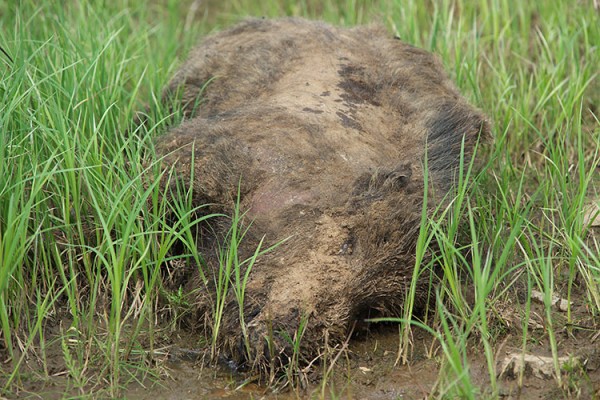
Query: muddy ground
[{"x": 365, "y": 367}]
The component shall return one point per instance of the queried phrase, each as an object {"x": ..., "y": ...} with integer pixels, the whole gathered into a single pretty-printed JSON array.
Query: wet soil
[{"x": 366, "y": 368}]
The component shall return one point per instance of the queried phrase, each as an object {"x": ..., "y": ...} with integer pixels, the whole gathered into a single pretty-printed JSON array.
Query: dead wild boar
[{"x": 323, "y": 130}]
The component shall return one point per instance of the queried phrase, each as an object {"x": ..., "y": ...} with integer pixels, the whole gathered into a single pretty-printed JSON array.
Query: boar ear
[
  {"x": 398, "y": 177},
  {"x": 372, "y": 186}
]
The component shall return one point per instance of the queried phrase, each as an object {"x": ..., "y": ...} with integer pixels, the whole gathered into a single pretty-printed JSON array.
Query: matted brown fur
[{"x": 327, "y": 128}]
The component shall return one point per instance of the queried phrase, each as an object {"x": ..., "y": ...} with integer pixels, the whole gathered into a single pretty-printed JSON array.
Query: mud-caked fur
[{"x": 327, "y": 129}]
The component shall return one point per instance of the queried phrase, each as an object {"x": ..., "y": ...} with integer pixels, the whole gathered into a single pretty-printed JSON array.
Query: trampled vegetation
[{"x": 87, "y": 235}]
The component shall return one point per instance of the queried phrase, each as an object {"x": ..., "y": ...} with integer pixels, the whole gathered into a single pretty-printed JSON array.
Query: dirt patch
[
  {"x": 364, "y": 370},
  {"x": 326, "y": 128},
  {"x": 367, "y": 369}
]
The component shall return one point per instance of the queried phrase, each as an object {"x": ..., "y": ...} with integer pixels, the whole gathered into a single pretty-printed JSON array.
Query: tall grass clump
[
  {"x": 520, "y": 223},
  {"x": 84, "y": 236}
]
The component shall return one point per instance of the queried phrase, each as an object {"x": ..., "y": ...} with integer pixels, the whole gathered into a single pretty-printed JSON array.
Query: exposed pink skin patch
[{"x": 271, "y": 199}]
